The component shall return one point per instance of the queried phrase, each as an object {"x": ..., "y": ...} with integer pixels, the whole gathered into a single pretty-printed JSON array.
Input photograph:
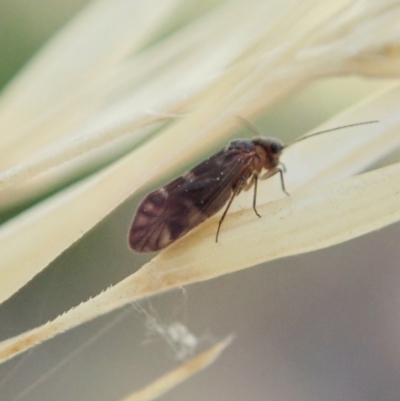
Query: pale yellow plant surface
[
  {"x": 267, "y": 69},
  {"x": 73, "y": 62},
  {"x": 308, "y": 220},
  {"x": 180, "y": 374},
  {"x": 321, "y": 160},
  {"x": 252, "y": 54}
]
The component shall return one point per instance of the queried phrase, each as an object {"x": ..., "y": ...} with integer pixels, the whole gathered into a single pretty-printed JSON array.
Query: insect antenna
[
  {"x": 332, "y": 129},
  {"x": 253, "y": 128}
]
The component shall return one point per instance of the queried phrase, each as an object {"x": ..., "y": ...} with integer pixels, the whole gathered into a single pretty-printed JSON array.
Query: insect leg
[
  {"x": 282, "y": 182},
  {"x": 235, "y": 192},
  {"x": 272, "y": 172},
  {"x": 255, "y": 179}
]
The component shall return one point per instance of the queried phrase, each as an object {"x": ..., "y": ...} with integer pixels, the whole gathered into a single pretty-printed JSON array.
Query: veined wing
[{"x": 170, "y": 212}]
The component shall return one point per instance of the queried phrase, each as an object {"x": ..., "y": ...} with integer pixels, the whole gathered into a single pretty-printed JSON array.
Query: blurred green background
[{"x": 25, "y": 25}]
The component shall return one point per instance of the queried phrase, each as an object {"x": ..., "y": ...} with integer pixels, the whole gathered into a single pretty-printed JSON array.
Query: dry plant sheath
[
  {"x": 209, "y": 70},
  {"x": 180, "y": 374},
  {"x": 312, "y": 219}
]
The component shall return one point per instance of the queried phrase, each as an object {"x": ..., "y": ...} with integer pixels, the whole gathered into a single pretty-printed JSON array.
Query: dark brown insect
[{"x": 167, "y": 214}]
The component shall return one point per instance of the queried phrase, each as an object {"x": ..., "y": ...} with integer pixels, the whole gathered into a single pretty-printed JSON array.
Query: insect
[{"x": 170, "y": 212}]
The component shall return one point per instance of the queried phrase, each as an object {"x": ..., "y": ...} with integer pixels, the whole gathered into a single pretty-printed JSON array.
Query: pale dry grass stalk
[
  {"x": 237, "y": 60},
  {"x": 180, "y": 374}
]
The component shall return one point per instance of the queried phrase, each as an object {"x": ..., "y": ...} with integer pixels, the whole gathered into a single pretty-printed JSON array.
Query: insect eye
[{"x": 275, "y": 147}]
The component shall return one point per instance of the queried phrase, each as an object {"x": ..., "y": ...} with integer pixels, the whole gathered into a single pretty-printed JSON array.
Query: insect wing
[{"x": 170, "y": 212}]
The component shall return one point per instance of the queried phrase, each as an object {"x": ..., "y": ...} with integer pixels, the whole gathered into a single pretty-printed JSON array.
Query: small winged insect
[{"x": 170, "y": 212}]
